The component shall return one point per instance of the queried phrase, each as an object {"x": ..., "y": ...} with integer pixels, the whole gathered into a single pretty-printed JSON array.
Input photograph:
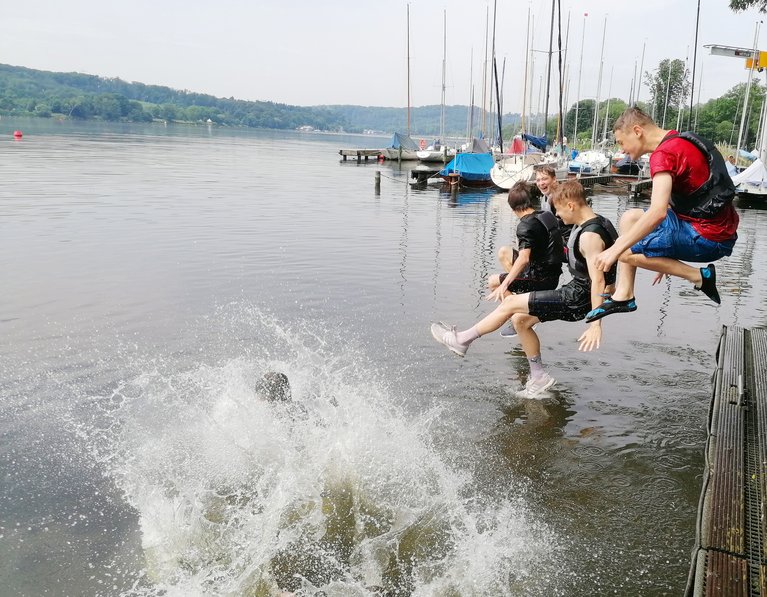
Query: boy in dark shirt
[{"x": 537, "y": 263}]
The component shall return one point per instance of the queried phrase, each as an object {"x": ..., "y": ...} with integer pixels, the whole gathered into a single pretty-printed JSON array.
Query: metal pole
[
  {"x": 580, "y": 71},
  {"x": 548, "y": 70},
  {"x": 754, "y": 62},
  {"x": 694, "y": 64}
]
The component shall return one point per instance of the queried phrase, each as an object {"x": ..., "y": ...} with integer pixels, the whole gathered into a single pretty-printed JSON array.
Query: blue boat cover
[
  {"x": 576, "y": 166},
  {"x": 471, "y": 166},
  {"x": 539, "y": 142},
  {"x": 403, "y": 141}
]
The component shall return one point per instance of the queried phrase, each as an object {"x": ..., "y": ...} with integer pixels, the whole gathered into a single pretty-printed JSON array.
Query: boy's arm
[
  {"x": 591, "y": 245},
  {"x": 520, "y": 263},
  {"x": 659, "y": 203}
]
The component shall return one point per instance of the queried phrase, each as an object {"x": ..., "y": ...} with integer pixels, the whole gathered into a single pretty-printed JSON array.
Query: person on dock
[
  {"x": 690, "y": 218},
  {"x": 591, "y": 234},
  {"x": 732, "y": 168},
  {"x": 546, "y": 181},
  {"x": 536, "y": 263}
]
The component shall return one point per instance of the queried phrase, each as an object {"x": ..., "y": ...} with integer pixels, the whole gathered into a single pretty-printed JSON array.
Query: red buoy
[{"x": 17, "y": 134}]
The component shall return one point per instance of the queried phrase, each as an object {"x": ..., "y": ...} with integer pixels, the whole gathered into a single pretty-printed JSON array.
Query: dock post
[
  {"x": 454, "y": 183},
  {"x": 378, "y": 182}
]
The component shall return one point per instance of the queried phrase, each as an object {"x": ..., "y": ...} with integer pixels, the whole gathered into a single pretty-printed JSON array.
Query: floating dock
[
  {"x": 359, "y": 153},
  {"x": 730, "y": 555},
  {"x": 638, "y": 187}
]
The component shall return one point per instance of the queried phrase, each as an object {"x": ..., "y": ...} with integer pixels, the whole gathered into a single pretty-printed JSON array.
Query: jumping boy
[
  {"x": 536, "y": 264},
  {"x": 690, "y": 218},
  {"x": 591, "y": 234}
]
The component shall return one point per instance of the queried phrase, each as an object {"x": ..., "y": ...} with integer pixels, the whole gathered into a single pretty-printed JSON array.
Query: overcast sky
[{"x": 331, "y": 52}]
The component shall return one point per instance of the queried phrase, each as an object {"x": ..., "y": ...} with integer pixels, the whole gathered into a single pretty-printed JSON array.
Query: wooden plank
[
  {"x": 726, "y": 575},
  {"x": 724, "y": 517},
  {"x": 358, "y": 153}
]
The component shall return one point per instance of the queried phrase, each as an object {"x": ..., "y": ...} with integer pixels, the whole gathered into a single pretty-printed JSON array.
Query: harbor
[
  {"x": 140, "y": 396},
  {"x": 256, "y": 337}
]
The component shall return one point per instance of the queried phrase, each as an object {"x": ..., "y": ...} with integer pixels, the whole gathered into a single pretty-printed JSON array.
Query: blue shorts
[{"x": 678, "y": 239}]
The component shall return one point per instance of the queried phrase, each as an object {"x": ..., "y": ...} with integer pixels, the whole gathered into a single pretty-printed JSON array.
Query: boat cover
[
  {"x": 755, "y": 174},
  {"x": 479, "y": 146},
  {"x": 539, "y": 142},
  {"x": 471, "y": 166},
  {"x": 404, "y": 141}
]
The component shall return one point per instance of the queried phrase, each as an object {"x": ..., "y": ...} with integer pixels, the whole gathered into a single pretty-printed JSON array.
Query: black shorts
[
  {"x": 523, "y": 284},
  {"x": 571, "y": 302}
]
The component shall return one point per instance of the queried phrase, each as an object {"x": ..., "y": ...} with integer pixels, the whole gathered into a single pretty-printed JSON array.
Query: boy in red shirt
[{"x": 691, "y": 216}]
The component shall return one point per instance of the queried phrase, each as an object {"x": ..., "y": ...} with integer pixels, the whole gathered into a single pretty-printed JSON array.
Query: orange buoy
[{"x": 17, "y": 134}]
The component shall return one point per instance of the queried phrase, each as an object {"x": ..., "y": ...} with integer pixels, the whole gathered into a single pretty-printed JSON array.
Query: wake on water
[{"x": 335, "y": 492}]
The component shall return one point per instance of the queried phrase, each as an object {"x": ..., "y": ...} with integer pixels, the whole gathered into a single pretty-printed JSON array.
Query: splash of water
[{"x": 336, "y": 492}]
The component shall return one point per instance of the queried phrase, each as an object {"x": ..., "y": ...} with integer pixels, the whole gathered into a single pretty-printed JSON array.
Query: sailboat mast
[
  {"x": 694, "y": 64},
  {"x": 408, "y": 70},
  {"x": 471, "y": 96},
  {"x": 599, "y": 88},
  {"x": 548, "y": 68},
  {"x": 484, "y": 73},
  {"x": 527, "y": 65},
  {"x": 754, "y": 63},
  {"x": 580, "y": 71},
  {"x": 532, "y": 70},
  {"x": 494, "y": 72},
  {"x": 607, "y": 110},
  {"x": 639, "y": 82},
  {"x": 560, "y": 133},
  {"x": 444, "y": 60}
]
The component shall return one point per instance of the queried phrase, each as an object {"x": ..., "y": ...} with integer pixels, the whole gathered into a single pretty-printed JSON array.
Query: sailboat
[
  {"x": 402, "y": 146},
  {"x": 438, "y": 151},
  {"x": 520, "y": 165}
]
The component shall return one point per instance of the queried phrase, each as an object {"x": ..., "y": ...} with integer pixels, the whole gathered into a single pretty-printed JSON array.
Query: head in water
[
  {"x": 274, "y": 387},
  {"x": 545, "y": 178}
]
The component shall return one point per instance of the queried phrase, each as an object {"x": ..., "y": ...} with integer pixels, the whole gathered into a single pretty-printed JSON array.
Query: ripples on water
[{"x": 154, "y": 274}]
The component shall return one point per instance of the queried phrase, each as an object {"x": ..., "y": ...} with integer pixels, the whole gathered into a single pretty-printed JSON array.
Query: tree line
[{"x": 30, "y": 92}]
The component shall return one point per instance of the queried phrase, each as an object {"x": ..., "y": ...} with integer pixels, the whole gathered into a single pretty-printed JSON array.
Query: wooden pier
[
  {"x": 636, "y": 188},
  {"x": 359, "y": 153},
  {"x": 730, "y": 556}
]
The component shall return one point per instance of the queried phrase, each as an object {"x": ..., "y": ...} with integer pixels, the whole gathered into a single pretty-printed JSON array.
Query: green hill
[{"x": 29, "y": 92}]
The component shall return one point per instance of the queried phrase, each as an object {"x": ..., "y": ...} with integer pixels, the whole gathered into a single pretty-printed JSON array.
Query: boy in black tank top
[
  {"x": 537, "y": 263},
  {"x": 571, "y": 302}
]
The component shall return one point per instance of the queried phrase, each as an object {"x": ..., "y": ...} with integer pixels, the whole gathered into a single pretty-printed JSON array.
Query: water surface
[{"x": 152, "y": 274}]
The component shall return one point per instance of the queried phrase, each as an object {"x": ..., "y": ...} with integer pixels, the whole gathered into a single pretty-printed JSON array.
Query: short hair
[
  {"x": 519, "y": 196},
  {"x": 546, "y": 169},
  {"x": 631, "y": 117},
  {"x": 569, "y": 190}
]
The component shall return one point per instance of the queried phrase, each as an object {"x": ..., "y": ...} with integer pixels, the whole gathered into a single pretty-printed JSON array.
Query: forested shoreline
[{"x": 30, "y": 92}]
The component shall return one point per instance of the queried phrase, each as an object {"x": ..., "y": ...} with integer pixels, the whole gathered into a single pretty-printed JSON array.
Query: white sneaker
[
  {"x": 536, "y": 386},
  {"x": 510, "y": 331},
  {"x": 445, "y": 334}
]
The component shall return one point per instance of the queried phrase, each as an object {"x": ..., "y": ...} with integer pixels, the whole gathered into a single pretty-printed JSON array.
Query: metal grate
[{"x": 752, "y": 491}]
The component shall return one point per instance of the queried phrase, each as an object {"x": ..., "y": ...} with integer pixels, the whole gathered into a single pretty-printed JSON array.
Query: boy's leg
[
  {"x": 506, "y": 257},
  {"x": 624, "y": 285},
  {"x": 539, "y": 381},
  {"x": 459, "y": 342},
  {"x": 514, "y": 303}
]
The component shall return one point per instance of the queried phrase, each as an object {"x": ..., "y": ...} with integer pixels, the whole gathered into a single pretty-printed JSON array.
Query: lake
[{"x": 151, "y": 275}]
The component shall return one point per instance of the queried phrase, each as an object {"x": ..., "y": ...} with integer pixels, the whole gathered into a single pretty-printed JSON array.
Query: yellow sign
[{"x": 760, "y": 65}]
